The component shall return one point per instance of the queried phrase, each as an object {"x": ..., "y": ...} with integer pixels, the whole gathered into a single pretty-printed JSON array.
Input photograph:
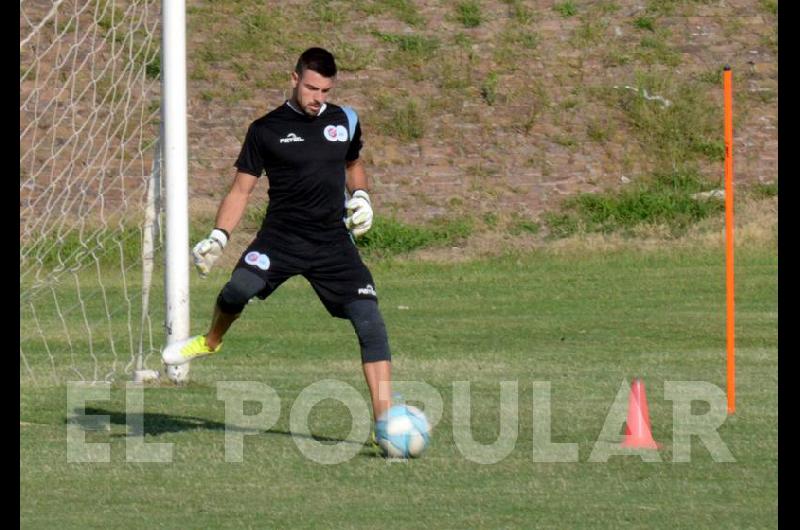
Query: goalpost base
[{"x": 144, "y": 376}]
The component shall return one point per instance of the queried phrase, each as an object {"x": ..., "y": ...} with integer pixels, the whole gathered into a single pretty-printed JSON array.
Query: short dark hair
[{"x": 318, "y": 60}]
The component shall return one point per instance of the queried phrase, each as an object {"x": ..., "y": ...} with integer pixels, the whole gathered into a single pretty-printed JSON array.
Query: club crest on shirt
[
  {"x": 335, "y": 133},
  {"x": 257, "y": 259}
]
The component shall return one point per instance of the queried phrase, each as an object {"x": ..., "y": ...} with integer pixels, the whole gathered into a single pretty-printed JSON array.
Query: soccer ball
[
  {"x": 177, "y": 373},
  {"x": 402, "y": 431}
]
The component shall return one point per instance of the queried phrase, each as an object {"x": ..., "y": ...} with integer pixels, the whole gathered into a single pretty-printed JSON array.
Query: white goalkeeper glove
[
  {"x": 207, "y": 251},
  {"x": 359, "y": 213}
]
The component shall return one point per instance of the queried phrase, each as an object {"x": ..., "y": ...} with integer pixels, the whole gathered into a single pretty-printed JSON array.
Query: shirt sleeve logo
[{"x": 335, "y": 133}]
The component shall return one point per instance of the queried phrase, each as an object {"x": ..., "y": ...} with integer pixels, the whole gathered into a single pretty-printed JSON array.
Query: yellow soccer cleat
[
  {"x": 187, "y": 350},
  {"x": 372, "y": 443}
]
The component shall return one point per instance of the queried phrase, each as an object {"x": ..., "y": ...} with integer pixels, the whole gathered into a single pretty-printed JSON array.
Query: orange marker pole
[{"x": 729, "y": 283}]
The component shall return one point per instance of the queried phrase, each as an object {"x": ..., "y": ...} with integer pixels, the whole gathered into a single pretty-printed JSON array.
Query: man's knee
[
  {"x": 242, "y": 286},
  {"x": 370, "y": 329}
]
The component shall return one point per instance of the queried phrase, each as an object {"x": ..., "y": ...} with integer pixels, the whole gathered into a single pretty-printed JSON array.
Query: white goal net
[{"x": 89, "y": 127}]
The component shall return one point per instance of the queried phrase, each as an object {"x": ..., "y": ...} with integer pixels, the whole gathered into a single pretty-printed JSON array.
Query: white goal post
[{"x": 176, "y": 164}]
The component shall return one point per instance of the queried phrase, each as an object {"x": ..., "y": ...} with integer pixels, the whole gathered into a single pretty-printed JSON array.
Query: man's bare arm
[
  {"x": 235, "y": 202},
  {"x": 356, "y": 176}
]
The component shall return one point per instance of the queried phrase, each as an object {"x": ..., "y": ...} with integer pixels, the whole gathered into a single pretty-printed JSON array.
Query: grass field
[{"x": 586, "y": 321}]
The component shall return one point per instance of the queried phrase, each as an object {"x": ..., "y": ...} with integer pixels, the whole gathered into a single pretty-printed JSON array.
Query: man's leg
[
  {"x": 220, "y": 323},
  {"x": 376, "y": 359},
  {"x": 379, "y": 380},
  {"x": 243, "y": 286}
]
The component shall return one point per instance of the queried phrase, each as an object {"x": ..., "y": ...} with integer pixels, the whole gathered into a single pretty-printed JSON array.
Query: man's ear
[{"x": 295, "y": 79}]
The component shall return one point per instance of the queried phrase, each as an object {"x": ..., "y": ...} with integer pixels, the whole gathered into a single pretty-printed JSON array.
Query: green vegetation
[
  {"x": 489, "y": 88},
  {"x": 670, "y": 7},
  {"x": 712, "y": 76},
  {"x": 412, "y": 50},
  {"x": 153, "y": 66},
  {"x": 771, "y": 40},
  {"x": 404, "y": 10},
  {"x": 389, "y": 236},
  {"x": 110, "y": 16},
  {"x": 455, "y": 72},
  {"x": 598, "y": 130},
  {"x": 520, "y": 39},
  {"x": 770, "y": 6},
  {"x": 401, "y": 118},
  {"x": 654, "y": 49},
  {"x": 676, "y": 130},
  {"x": 469, "y": 13},
  {"x": 106, "y": 245},
  {"x": 236, "y": 42},
  {"x": 331, "y": 13},
  {"x": 660, "y": 200},
  {"x": 351, "y": 58},
  {"x": 523, "y": 225},
  {"x": 615, "y": 56},
  {"x": 763, "y": 190},
  {"x": 566, "y": 9},
  {"x": 645, "y": 22},
  {"x": 606, "y": 7},
  {"x": 590, "y": 32},
  {"x": 414, "y": 45},
  {"x": 520, "y": 13}
]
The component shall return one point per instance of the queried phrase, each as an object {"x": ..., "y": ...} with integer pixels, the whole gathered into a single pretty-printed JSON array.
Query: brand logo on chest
[{"x": 291, "y": 137}]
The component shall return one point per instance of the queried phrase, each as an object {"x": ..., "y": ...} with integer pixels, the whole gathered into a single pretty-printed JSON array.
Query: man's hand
[
  {"x": 207, "y": 251},
  {"x": 359, "y": 213}
]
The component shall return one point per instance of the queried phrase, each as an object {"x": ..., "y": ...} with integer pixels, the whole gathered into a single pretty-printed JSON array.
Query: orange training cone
[{"x": 637, "y": 429}]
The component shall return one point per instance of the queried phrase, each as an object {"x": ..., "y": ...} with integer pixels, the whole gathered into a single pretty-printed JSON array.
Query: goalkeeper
[{"x": 309, "y": 150}]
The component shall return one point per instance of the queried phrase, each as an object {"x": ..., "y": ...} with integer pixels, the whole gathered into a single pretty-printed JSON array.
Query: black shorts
[{"x": 335, "y": 271}]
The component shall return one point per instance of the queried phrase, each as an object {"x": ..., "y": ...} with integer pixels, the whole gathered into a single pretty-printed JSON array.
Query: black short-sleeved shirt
[{"x": 304, "y": 159}]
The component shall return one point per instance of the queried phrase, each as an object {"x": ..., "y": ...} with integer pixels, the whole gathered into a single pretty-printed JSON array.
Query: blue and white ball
[{"x": 402, "y": 431}]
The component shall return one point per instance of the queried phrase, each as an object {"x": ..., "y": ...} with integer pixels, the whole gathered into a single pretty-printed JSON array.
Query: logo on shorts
[
  {"x": 369, "y": 289},
  {"x": 256, "y": 259},
  {"x": 335, "y": 133}
]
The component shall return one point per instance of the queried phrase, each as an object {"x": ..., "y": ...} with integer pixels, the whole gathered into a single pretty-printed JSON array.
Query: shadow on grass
[{"x": 155, "y": 424}]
